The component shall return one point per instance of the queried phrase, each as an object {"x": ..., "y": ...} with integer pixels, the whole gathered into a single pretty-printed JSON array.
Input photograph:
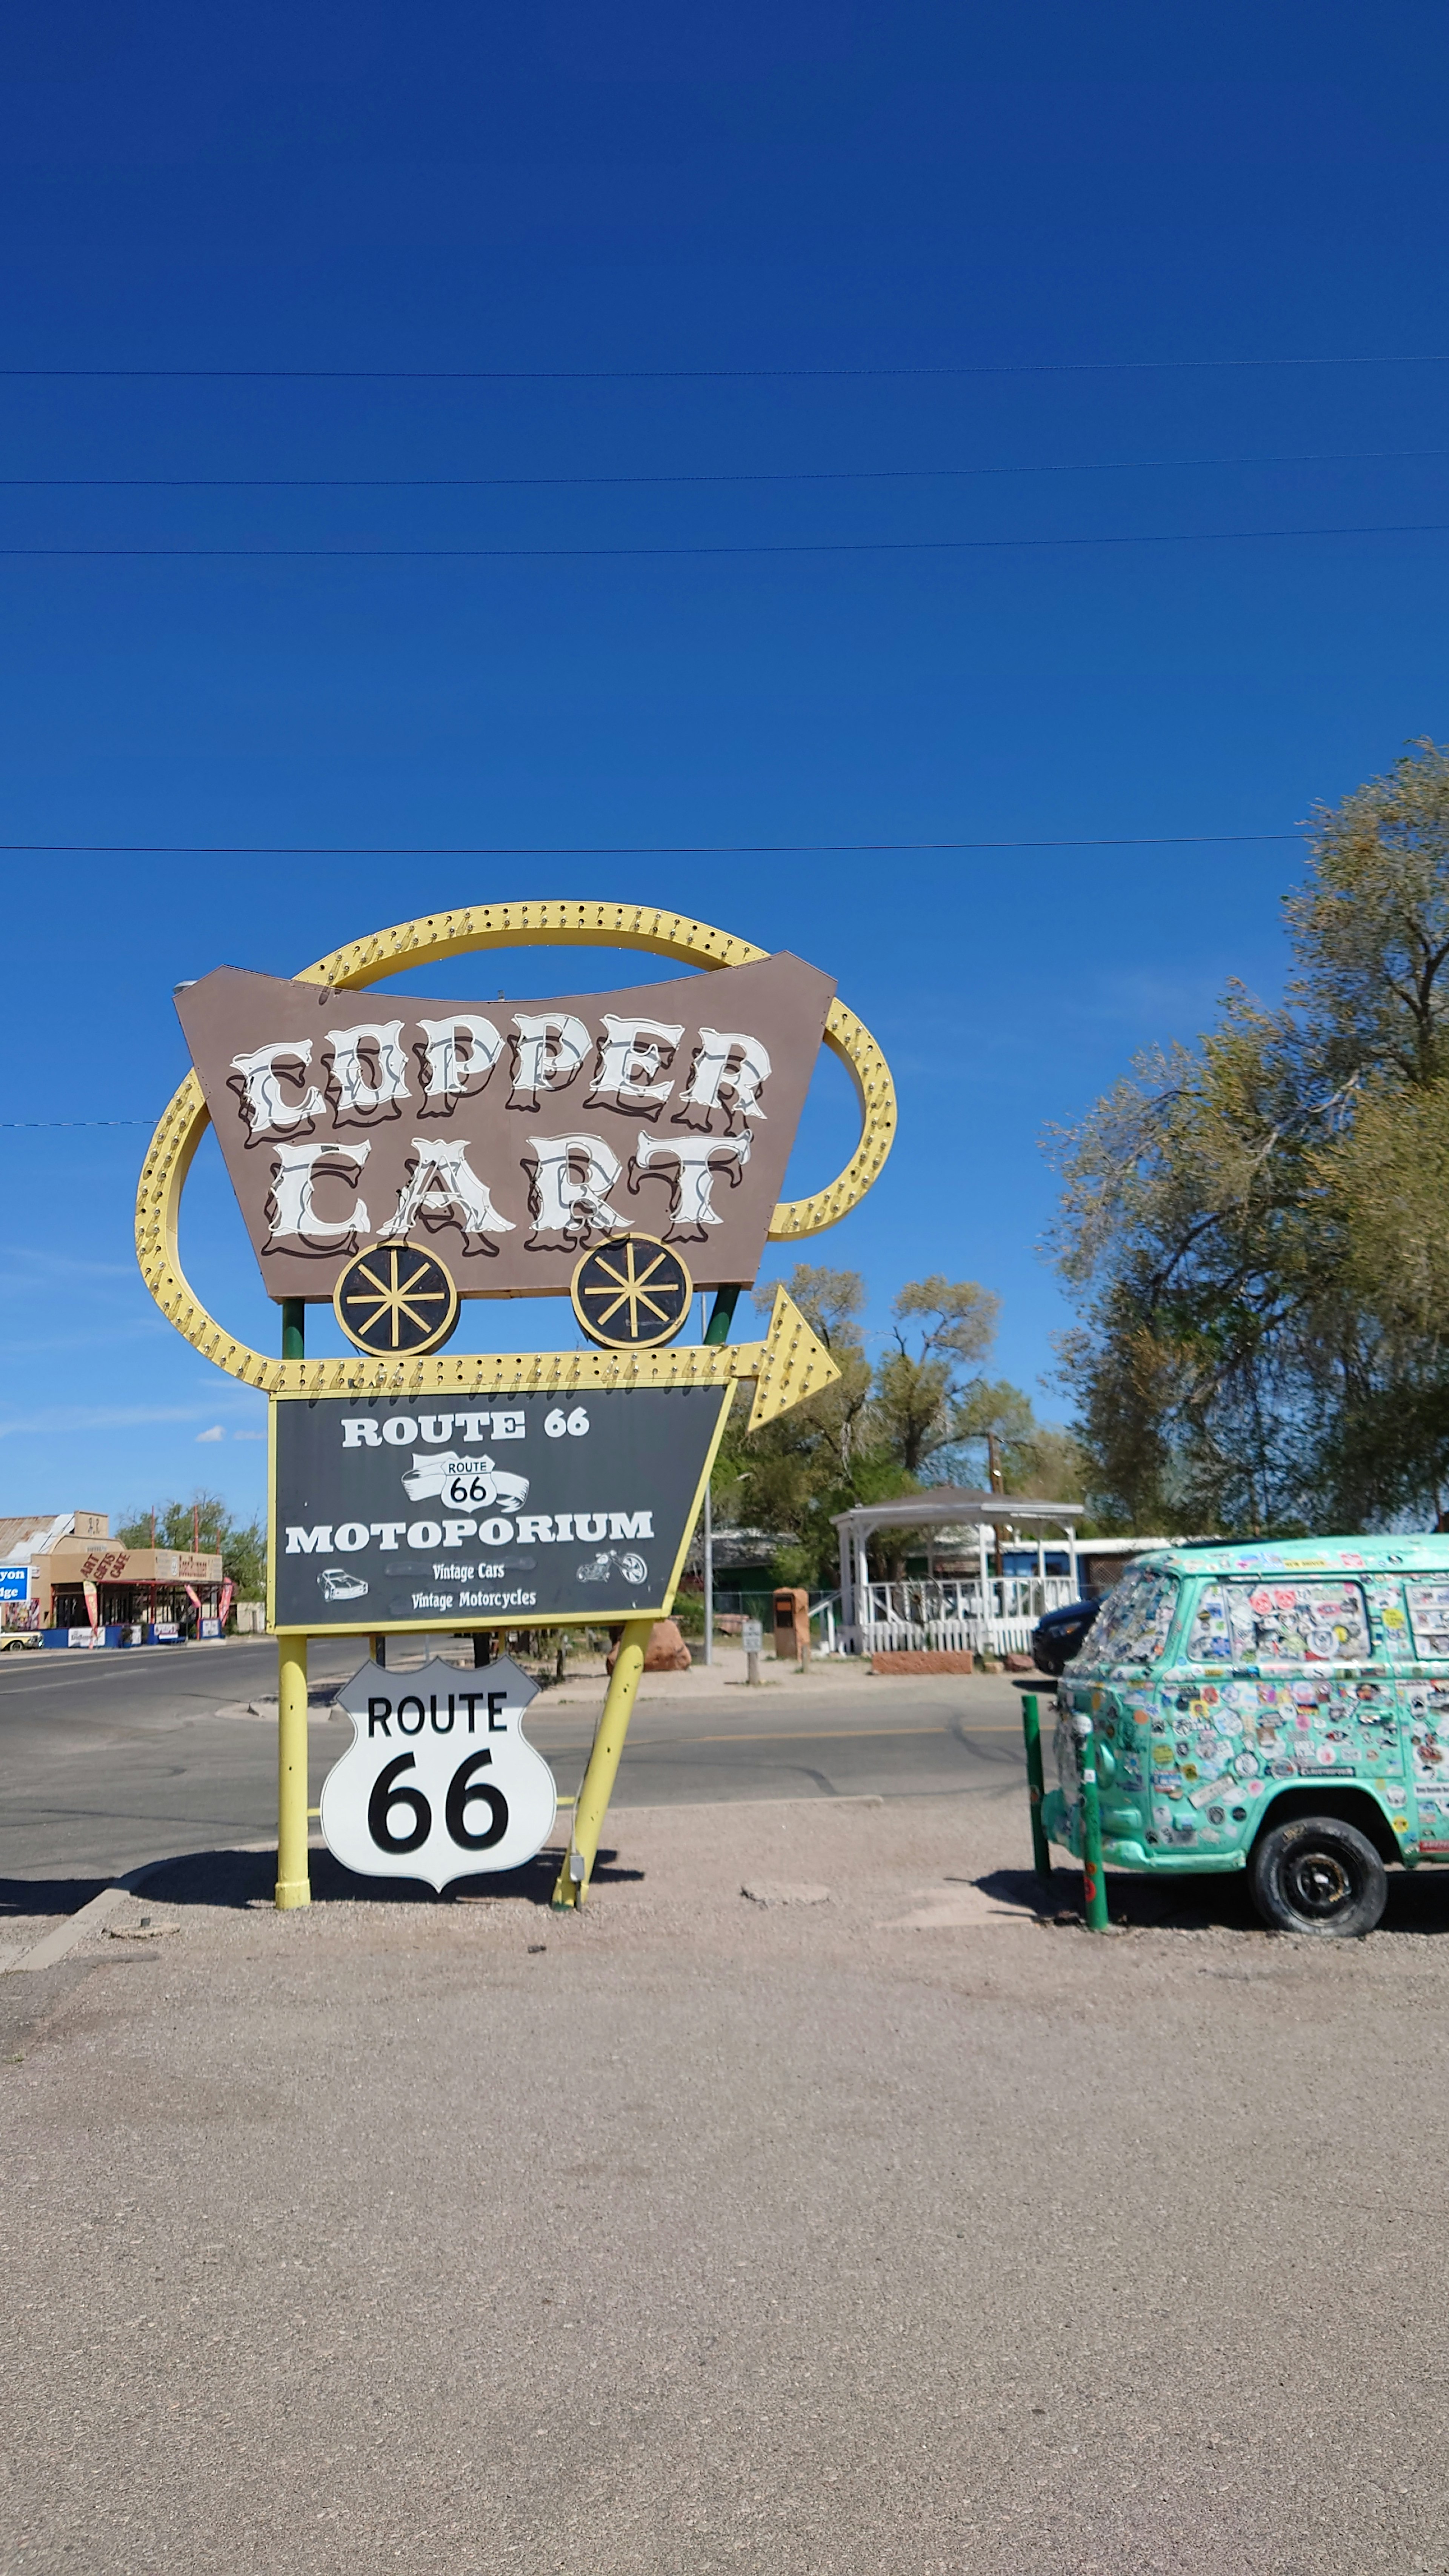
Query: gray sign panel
[{"x": 391, "y": 1512}]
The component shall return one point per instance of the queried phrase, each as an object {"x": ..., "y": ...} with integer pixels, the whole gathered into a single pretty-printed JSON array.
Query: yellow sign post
[{"x": 568, "y": 1178}]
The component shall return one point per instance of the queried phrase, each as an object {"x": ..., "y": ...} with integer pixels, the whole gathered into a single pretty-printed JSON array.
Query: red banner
[
  {"x": 223, "y": 1607},
  {"x": 93, "y": 1604},
  {"x": 194, "y": 1597}
]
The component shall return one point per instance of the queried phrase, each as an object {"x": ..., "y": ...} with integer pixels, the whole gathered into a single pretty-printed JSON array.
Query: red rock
[{"x": 667, "y": 1651}]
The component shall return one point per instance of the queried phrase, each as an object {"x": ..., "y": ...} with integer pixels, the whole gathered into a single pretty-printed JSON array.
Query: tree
[
  {"x": 918, "y": 1392},
  {"x": 207, "y": 1523},
  {"x": 818, "y": 1458},
  {"x": 918, "y": 1417},
  {"x": 1254, "y": 1227}
]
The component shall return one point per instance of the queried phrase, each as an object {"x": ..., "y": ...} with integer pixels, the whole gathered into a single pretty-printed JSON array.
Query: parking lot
[{"x": 822, "y": 2201}]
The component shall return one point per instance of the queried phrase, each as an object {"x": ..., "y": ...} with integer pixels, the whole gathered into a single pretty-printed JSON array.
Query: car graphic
[{"x": 338, "y": 1585}]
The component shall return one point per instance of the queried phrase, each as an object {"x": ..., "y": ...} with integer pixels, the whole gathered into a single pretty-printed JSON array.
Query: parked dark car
[{"x": 1058, "y": 1634}]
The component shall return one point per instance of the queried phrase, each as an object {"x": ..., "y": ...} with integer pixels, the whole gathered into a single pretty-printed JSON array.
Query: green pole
[
  {"x": 722, "y": 1315},
  {"x": 1094, "y": 1881},
  {"x": 294, "y": 1884},
  {"x": 1035, "y": 1786}
]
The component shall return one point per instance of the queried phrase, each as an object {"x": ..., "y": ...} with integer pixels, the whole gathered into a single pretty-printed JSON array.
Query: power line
[
  {"x": 803, "y": 546},
  {"x": 694, "y": 375},
  {"x": 601, "y": 849},
  {"x": 74, "y": 1122},
  {"x": 592, "y": 482}
]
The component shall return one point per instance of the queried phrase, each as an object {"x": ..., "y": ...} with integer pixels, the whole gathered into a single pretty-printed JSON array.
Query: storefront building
[{"x": 63, "y": 1576}]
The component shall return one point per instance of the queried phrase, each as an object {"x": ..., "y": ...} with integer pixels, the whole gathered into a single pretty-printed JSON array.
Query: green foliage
[
  {"x": 206, "y": 1523},
  {"x": 1257, "y": 1227},
  {"x": 799, "y": 1469},
  {"x": 916, "y": 1417},
  {"x": 918, "y": 1392}
]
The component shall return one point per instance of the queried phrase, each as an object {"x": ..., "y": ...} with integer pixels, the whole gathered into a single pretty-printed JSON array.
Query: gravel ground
[{"x": 864, "y": 2226}]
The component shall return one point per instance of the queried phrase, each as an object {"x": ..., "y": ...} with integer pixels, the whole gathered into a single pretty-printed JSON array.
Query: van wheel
[{"x": 1316, "y": 1874}]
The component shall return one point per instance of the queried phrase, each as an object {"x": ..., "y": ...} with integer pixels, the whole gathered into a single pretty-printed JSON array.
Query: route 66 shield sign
[{"x": 439, "y": 1781}]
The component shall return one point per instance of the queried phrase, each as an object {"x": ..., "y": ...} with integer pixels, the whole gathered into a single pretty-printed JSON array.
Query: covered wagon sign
[{"x": 507, "y": 1136}]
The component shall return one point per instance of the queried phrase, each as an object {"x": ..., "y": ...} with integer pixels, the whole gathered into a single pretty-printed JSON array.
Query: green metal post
[
  {"x": 294, "y": 1328},
  {"x": 1094, "y": 1881},
  {"x": 1035, "y": 1785},
  {"x": 722, "y": 1315}
]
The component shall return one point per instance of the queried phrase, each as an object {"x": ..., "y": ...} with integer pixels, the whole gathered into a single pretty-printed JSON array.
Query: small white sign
[
  {"x": 752, "y": 1635},
  {"x": 439, "y": 1781}
]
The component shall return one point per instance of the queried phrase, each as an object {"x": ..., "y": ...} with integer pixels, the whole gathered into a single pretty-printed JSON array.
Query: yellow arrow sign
[{"x": 789, "y": 1364}]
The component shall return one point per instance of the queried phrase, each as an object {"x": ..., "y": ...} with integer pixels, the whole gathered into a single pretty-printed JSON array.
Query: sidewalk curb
[{"x": 67, "y": 1935}]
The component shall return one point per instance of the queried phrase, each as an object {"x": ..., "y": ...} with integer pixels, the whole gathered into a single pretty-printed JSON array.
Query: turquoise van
[{"x": 1278, "y": 1707}]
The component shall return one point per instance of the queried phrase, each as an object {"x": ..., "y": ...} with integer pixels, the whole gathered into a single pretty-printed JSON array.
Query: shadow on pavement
[
  {"x": 47, "y": 1895},
  {"x": 1216, "y": 1901},
  {"x": 240, "y": 1878}
]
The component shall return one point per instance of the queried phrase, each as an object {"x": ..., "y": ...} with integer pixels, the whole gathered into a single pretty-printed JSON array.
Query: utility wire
[
  {"x": 710, "y": 849},
  {"x": 592, "y": 482},
  {"x": 805, "y": 546},
  {"x": 602, "y": 849},
  {"x": 695, "y": 375}
]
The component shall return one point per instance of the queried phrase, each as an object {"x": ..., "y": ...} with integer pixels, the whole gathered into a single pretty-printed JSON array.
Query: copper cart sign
[
  {"x": 617, "y": 1148},
  {"x": 508, "y": 1137}
]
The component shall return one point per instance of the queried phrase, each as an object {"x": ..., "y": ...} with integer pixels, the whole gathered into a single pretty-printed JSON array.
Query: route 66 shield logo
[{"x": 439, "y": 1781}]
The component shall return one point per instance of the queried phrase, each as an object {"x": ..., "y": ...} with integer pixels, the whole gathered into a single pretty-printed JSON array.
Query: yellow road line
[
  {"x": 840, "y": 1735},
  {"x": 813, "y": 1735},
  {"x": 818, "y": 1735}
]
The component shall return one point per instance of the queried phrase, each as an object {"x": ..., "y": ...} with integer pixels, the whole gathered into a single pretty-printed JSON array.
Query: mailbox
[{"x": 792, "y": 1626}]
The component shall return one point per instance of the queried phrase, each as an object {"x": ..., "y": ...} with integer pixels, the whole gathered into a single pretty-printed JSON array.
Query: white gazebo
[{"x": 982, "y": 1610}]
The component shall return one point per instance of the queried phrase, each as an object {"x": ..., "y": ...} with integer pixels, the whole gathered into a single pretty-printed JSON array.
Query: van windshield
[{"x": 1131, "y": 1626}]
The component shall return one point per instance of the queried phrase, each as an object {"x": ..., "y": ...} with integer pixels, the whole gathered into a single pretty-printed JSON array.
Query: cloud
[
  {"x": 77, "y": 1417},
  {"x": 215, "y": 1433},
  {"x": 42, "y": 1258}
]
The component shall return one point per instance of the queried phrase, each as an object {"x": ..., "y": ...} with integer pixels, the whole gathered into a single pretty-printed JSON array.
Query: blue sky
[{"x": 997, "y": 279}]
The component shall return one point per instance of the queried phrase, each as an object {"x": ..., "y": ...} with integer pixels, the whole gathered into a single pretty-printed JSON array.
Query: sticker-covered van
[{"x": 1276, "y": 1707}]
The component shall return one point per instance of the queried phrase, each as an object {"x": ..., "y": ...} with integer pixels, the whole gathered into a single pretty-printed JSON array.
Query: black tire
[{"x": 1317, "y": 1874}]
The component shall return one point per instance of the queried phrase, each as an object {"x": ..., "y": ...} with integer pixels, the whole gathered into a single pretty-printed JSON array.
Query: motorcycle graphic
[{"x": 597, "y": 1569}]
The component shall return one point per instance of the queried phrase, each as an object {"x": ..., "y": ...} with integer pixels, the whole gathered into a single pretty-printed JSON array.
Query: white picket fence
[{"x": 938, "y": 1617}]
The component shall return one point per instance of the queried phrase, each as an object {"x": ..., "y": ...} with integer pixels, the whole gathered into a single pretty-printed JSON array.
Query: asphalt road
[{"x": 113, "y": 1760}]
